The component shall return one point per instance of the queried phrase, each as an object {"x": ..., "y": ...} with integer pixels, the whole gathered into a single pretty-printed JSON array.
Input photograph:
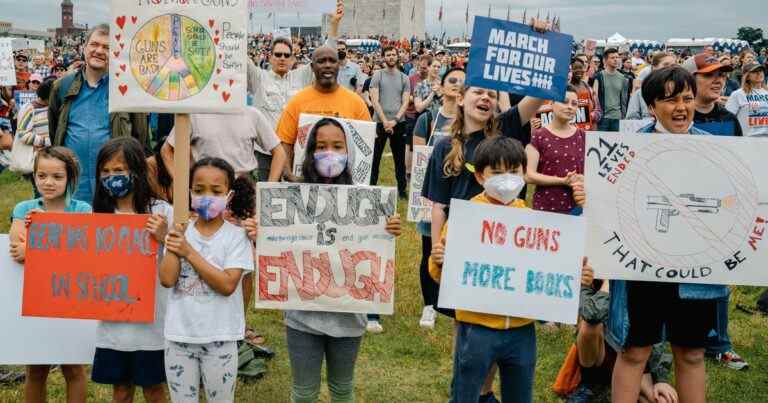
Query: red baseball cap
[{"x": 705, "y": 63}]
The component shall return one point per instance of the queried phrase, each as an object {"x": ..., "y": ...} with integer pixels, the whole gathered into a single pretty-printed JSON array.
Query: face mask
[
  {"x": 330, "y": 164},
  {"x": 342, "y": 55},
  {"x": 209, "y": 207},
  {"x": 117, "y": 185},
  {"x": 505, "y": 187}
]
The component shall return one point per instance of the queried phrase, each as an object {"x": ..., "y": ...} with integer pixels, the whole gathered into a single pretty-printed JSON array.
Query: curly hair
[{"x": 243, "y": 201}]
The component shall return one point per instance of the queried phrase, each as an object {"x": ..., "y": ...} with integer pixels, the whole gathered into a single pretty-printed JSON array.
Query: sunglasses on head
[
  {"x": 454, "y": 80},
  {"x": 282, "y": 55}
]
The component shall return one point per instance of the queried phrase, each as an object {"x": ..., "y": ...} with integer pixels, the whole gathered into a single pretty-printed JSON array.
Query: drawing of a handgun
[{"x": 665, "y": 209}]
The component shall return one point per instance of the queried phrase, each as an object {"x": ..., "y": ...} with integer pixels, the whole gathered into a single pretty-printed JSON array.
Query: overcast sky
[{"x": 638, "y": 19}]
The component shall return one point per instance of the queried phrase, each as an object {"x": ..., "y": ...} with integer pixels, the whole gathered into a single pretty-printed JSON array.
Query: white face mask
[{"x": 505, "y": 187}]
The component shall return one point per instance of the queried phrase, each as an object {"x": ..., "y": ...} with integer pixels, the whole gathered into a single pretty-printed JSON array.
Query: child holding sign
[
  {"x": 205, "y": 316},
  {"x": 312, "y": 335},
  {"x": 55, "y": 173},
  {"x": 131, "y": 354},
  {"x": 483, "y": 340}
]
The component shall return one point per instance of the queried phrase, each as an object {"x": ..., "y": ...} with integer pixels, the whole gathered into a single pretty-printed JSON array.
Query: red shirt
[{"x": 557, "y": 157}]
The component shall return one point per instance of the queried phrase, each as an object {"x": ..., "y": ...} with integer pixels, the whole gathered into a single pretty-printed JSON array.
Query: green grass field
[{"x": 409, "y": 364}]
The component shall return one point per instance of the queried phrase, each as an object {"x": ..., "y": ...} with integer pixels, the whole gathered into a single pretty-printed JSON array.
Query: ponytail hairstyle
[
  {"x": 164, "y": 178},
  {"x": 309, "y": 172},
  {"x": 454, "y": 160},
  {"x": 133, "y": 155},
  {"x": 71, "y": 166},
  {"x": 243, "y": 201}
]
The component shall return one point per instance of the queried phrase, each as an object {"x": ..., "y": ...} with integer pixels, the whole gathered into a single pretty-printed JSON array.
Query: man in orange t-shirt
[{"x": 325, "y": 97}]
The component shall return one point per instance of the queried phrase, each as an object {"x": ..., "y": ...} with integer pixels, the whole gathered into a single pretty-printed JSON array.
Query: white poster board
[
  {"x": 178, "y": 57},
  {"x": 677, "y": 208},
  {"x": 7, "y": 65},
  {"x": 324, "y": 248},
  {"x": 30, "y": 341},
  {"x": 513, "y": 262},
  {"x": 361, "y": 138},
  {"x": 24, "y": 43},
  {"x": 633, "y": 125},
  {"x": 419, "y": 208},
  {"x": 300, "y": 6}
]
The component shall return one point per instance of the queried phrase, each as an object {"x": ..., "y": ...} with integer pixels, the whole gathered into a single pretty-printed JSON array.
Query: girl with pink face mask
[{"x": 205, "y": 262}]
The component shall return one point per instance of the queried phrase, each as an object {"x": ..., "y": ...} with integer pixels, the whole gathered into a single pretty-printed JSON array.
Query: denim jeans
[
  {"x": 608, "y": 125},
  {"x": 307, "y": 352},
  {"x": 478, "y": 347},
  {"x": 720, "y": 343}
]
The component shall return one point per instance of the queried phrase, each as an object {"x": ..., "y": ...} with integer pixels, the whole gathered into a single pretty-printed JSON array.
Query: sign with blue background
[{"x": 512, "y": 57}]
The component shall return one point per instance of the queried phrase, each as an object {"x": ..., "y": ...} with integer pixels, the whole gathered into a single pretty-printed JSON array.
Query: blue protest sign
[
  {"x": 23, "y": 98},
  {"x": 510, "y": 56}
]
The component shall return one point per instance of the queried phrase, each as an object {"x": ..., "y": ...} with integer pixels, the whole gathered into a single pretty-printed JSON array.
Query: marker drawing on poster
[
  {"x": 513, "y": 262},
  {"x": 677, "y": 208},
  {"x": 325, "y": 248},
  {"x": 7, "y": 65},
  {"x": 419, "y": 207},
  {"x": 55, "y": 341},
  {"x": 361, "y": 138},
  {"x": 178, "y": 57}
]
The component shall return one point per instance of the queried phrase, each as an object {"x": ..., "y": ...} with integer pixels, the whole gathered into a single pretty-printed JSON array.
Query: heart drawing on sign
[
  {"x": 134, "y": 19},
  {"x": 118, "y": 36},
  {"x": 215, "y": 87},
  {"x": 218, "y": 71},
  {"x": 120, "y": 21},
  {"x": 216, "y": 40},
  {"x": 210, "y": 23},
  {"x": 225, "y": 95},
  {"x": 116, "y": 53},
  {"x": 117, "y": 75},
  {"x": 122, "y": 46},
  {"x": 122, "y": 67},
  {"x": 231, "y": 82},
  {"x": 123, "y": 89}
]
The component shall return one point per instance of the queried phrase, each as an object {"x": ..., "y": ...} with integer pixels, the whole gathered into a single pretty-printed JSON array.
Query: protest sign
[
  {"x": 90, "y": 266},
  {"x": 24, "y": 43},
  {"x": 282, "y": 33},
  {"x": 419, "y": 208},
  {"x": 300, "y": 6},
  {"x": 55, "y": 341},
  {"x": 582, "y": 120},
  {"x": 178, "y": 57},
  {"x": 590, "y": 46},
  {"x": 23, "y": 98},
  {"x": 509, "y": 56},
  {"x": 324, "y": 248},
  {"x": 513, "y": 262},
  {"x": 677, "y": 208},
  {"x": 7, "y": 66},
  {"x": 361, "y": 138},
  {"x": 633, "y": 125}
]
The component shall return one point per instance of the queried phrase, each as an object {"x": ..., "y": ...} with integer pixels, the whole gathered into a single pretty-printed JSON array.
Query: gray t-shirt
[
  {"x": 614, "y": 84},
  {"x": 334, "y": 324},
  {"x": 391, "y": 85}
]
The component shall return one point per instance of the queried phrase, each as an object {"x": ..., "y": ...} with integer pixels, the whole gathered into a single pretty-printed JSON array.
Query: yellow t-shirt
[
  {"x": 341, "y": 103},
  {"x": 498, "y": 322}
]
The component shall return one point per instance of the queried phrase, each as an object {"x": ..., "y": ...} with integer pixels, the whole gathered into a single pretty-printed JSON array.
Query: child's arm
[
  {"x": 18, "y": 237},
  {"x": 438, "y": 219},
  {"x": 170, "y": 267},
  {"x": 532, "y": 175}
]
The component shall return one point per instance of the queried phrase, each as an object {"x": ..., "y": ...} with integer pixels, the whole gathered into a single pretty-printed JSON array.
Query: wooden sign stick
[{"x": 181, "y": 157}]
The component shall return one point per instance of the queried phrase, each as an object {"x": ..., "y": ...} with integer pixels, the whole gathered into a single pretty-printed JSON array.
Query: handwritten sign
[
  {"x": 513, "y": 262},
  {"x": 419, "y": 207},
  {"x": 361, "y": 137},
  {"x": 324, "y": 248},
  {"x": 23, "y": 98},
  {"x": 582, "y": 120},
  {"x": 509, "y": 56},
  {"x": 90, "y": 266},
  {"x": 56, "y": 341},
  {"x": 677, "y": 208},
  {"x": 590, "y": 46},
  {"x": 178, "y": 57},
  {"x": 303, "y": 6},
  {"x": 7, "y": 65}
]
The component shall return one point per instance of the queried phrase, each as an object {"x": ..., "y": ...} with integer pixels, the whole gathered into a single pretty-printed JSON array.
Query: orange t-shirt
[{"x": 341, "y": 103}]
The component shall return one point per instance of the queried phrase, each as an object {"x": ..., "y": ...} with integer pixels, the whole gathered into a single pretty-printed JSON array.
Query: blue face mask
[{"x": 118, "y": 186}]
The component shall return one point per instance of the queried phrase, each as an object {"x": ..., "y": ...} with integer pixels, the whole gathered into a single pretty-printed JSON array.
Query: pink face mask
[{"x": 209, "y": 207}]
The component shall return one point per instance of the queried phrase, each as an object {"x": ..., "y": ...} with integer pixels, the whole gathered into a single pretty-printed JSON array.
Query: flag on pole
[
  {"x": 413, "y": 11},
  {"x": 525, "y": 13},
  {"x": 440, "y": 14},
  {"x": 509, "y": 11},
  {"x": 384, "y": 13},
  {"x": 467, "y": 15},
  {"x": 269, "y": 15},
  {"x": 489, "y": 11}
]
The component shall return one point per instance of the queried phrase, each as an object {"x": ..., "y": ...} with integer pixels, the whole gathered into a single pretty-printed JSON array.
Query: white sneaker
[
  {"x": 428, "y": 315},
  {"x": 374, "y": 327}
]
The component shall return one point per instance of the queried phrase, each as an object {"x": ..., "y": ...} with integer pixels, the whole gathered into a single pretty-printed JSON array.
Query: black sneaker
[{"x": 488, "y": 398}]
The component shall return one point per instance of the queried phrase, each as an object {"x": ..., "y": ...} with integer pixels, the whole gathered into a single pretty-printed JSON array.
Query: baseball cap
[
  {"x": 36, "y": 77},
  {"x": 705, "y": 63},
  {"x": 748, "y": 68}
]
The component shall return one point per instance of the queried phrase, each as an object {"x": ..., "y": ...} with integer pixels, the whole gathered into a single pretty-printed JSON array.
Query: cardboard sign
[
  {"x": 513, "y": 262},
  {"x": 634, "y": 125},
  {"x": 178, "y": 57},
  {"x": 419, "y": 208},
  {"x": 7, "y": 65},
  {"x": 301, "y": 6},
  {"x": 324, "y": 248},
  {"x": 361, "y": 138},
  {"x": 509, "y": 56},
  {"x": 582, "y": 120},
  {"x": 23, "y": 98},
  {"x": 90, "y": 266},
  {"x": 55, "y": 341},
  {"x": 677, "y": 208}
]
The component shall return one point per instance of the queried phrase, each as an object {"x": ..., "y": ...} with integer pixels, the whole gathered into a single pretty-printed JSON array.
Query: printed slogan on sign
[
  {"x": 512, "y": 262},
  {"x": 510, "y": 56},
  {"x": 672, "y": 208},
  {"x": 90, "y": 266},
  {"x": 181, "y": 56},
  {"x": 325, "y": 248}
]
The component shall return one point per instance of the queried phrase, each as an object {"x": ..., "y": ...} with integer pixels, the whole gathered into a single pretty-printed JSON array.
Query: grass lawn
[{"x": 409, "y": 364}]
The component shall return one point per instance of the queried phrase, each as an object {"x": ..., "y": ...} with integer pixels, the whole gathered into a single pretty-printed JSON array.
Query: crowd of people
[{"x": 488, "y": 147}]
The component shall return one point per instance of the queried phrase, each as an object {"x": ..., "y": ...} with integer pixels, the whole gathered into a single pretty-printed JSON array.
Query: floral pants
[{"x": 215, "y": 363}]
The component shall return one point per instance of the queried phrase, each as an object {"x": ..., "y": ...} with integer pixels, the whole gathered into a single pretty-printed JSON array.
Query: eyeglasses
[
  {"x": 282, "y": 55},
  {"x": 454, "y": 80}
]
